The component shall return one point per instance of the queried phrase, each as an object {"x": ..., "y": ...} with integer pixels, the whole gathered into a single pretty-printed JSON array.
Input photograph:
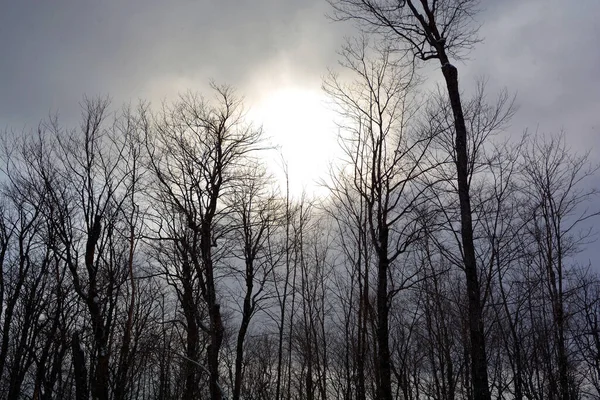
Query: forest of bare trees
[{"x": 150, "y": 254}]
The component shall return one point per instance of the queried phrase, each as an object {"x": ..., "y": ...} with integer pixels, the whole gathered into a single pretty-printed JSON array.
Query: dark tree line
[{"x": 149, "y": 254}]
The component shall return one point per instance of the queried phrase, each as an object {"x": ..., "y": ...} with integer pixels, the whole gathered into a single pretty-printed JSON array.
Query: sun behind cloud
[{"x": 301, "y": 125}]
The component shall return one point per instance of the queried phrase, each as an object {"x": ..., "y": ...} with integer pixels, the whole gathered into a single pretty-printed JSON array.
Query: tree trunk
[
  {"x": 216, "y": 338},
  {"x": 479, "y": 373},
  {"x": 124, "y": 358},
  {"x": 100, "y": 382},
  {"x": 247, "y": 314},
  {"x": 214, "y": 313},
  {"x": 80, "y": 370},
  {"x": 192, "y": 338},
  {"x": 384, "y": 388}
]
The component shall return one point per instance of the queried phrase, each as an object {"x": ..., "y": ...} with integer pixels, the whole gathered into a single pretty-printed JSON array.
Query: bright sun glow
[{"x": 300, "y": 123}]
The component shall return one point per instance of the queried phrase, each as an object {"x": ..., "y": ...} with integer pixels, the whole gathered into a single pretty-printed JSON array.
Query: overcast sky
[{"x": 54, "y": 52}]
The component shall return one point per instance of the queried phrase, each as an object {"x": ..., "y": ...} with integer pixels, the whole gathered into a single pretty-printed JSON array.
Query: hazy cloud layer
[{"x": 53, "y": 52}]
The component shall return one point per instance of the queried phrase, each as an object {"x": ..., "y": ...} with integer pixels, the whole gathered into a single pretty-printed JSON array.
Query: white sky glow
[{"x": 300, "y": 123}]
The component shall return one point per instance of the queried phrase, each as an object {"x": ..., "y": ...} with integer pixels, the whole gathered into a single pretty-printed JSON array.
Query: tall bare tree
[
  {"x": 254, "y": 216},
  {"x": 196, "y": 151},
  {"x": 386, "y": 155},
  {"x": 88, "y": 199},
  {"x": 554, "y": 183},
  {"x": 438, "y": 30}
]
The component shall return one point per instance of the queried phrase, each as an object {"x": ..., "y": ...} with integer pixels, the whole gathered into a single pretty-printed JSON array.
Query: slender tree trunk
[
  {"x": 100, "y": 381},
  {"x": 361, "y": 390},
  {"x": 246, "y": 315},
  {"x": 8, "y": 314},
  {"x": 360, "y": 353},
  {"x": 479, "y": 372},
  {"x": 214, "y": 314},
  {"x": 3, "y": 249},
  {"x": 22, "y": 357},
  {"x": 282, "y": 304},
  {"x": 299, "y": 237},
  {"x": 43, "y": 363},
  {"x": 192, "y": 335},
  {"x": 99, "y": 384},
  {"x": 516, "y": 343},
  {"x": 123, "y": 369},
  {"x": 11, "y": 303},
  {"x": 285, "y": 287},
  {"x": 80, "y": 370},
  {"x": 216, "y": 339},
  {"x": 384, "y": 388},
  {"x": 557, "y": 305}
]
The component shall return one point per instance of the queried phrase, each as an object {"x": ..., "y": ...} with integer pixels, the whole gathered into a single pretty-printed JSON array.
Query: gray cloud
[
  {"x": 544, "y": 51},
  {"x": 53, "y": 52}
]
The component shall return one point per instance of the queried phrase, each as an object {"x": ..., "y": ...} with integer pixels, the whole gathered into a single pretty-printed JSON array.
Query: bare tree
[
  {"x": 197, "y": 149},
  {"x": 588, "y": 326},
  {"x": 87, "y": 197},
  {"x": 438, "y": 29},
  {"x": 26, "y": 259},
  {"x": 386, "y": 156},
  {"x": 554, "y": 185},
  {"x": 283, "y": 279},
  {"x": 348, "y": 212},
  {"x": 254, "y": 216}
]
